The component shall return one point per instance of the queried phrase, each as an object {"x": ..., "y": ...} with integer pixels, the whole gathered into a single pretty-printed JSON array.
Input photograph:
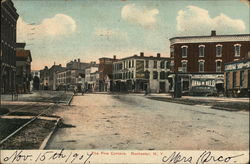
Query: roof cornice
[{"x": 210, "y": 39}]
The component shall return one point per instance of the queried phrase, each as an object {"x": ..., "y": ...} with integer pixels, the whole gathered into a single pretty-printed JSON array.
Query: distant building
[
  {"x": 105, "y": 73},
  {"x": 201, "y": 59},
  {"x": 9, "y": 18},
  {"x": 141, "y": 73},
  {"x": 92, "y": 78},
  {"x": 23, "y": 69},
  {"x": 48, "y": 79},
  {"x": 72, "y": 76},
  {"x": 44, "y": 78},
  {"x": 35, "y": 82}
]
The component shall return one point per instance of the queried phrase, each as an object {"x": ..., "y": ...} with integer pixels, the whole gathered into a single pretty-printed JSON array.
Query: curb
[
  {"x": 46, "y": 140},
  {"x": 68, "y": 103},
  {"x": 226, "y": 109}
]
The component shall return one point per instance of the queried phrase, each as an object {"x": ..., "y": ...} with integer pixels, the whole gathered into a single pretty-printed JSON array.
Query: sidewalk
[{"x": 220, "y": 103}]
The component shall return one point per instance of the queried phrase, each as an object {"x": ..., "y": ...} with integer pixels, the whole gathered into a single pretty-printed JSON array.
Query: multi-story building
[
  {"x": 23, "y": 69},
  {"x": 9, "y": 18},
  {"x": 35, "y": 82},
  {"x": 201, "y": 59},
  {"x": 92, "y": 78},
  {"x": 237, "y": 78},
  {"x": 105, "y": 73},
  {"x": 141, "y": 73},
  {"x": 44, "y": 78},
  {"x": 48, "y": 78},
  {"x": 73, "y": 75}
]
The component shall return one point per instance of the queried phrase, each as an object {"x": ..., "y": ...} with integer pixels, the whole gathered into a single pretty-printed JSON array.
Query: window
[
  {"x": 237, "y": 50},
  {"x": 132, "y": 63},
  {"x": 227, "y": 80},
  {"x": 155, "y": 64},
  {"x": 155, "y": 75},
  {"x": 218, "y": 66},
  {"x": 184, "y": 66},
  {"x": 201, "y": 66},
  {"x": 129, "y": 64},
  {"x": 147, "y": 74},
  {"x": 184, "y": 51},
  {"x": 234, "y": 79},
  {"x": 218, "y": 50},
  {"x": 167, "y": 65},
  {"x": 162, "y": 64},
  {"x": 241, "y": 78},
  {"x": 201, "y": 51},
  {"x": 171, "y": 52},
  {"x": 162, "y": 75},
  {"x": 146, "y": 64}
]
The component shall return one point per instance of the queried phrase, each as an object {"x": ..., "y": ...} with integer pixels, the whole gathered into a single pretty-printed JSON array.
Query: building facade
[
  {"x": 92, "y": 78},
  {"x": 35, "y": 82},
  {"x": 105, "y": 73},
  {"x": 198, "y": 54},
  {"x": 237, "y": 78},
  {"x": 23, "y": 69},
  {"x": 201, "y": 59},
  {"x": 73, "y": 75},
  {"x": 9, "y": 18},
  {"x": 141, "y": 73}
]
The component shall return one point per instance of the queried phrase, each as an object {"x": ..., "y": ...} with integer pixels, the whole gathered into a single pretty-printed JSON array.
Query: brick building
[
  {"x": 207, "y": 53},
  {"x": 23, "y": 69},
  {"x": 105, "y": 73},
  {"x": 9, "y": 18},
  {"x": 202, "y": 58},
  {"x": 141, "y": 73}
]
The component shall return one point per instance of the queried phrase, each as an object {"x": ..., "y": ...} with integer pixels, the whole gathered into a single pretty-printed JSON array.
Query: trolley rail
[{"x": 50, "y": 107}]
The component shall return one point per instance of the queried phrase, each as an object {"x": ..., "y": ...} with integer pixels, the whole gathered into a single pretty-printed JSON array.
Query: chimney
[
  {"x": 141, "y": 54},
  {"x": 74, "y": 60},
  {"x": 79, "y": 60},
  {"x": 158, "y": 55},
  {"x": 114, "y": 57},
  {"x": 135, "y": 54},
  {"x": 213, "y": 33}
]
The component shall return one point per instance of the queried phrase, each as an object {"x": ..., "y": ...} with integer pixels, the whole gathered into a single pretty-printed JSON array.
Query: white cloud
[
  {"x": 247, "y": 2},
  {"x": 195, "y": 19},
  {"x": 142, "y": 16},
  {"x": 58, "y": 25},
  {"x": 110, "y": 33}
]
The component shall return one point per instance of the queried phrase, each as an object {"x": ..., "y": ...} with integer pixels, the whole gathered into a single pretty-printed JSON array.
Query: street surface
[{"x": 130, "y": 121}]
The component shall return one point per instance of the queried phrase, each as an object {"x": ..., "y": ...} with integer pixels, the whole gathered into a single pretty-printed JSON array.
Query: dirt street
[{"x": 128, "y": 122}]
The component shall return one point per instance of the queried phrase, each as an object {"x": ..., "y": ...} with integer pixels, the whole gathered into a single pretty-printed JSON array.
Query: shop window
[{"x": 234, "y": 79}]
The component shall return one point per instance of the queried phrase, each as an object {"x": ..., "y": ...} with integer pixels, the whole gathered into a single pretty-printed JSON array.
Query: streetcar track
[{"x": 49, "y": 107}]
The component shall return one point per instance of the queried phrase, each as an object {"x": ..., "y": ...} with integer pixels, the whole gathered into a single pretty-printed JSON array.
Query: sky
[{"x": 63, "y": 30}]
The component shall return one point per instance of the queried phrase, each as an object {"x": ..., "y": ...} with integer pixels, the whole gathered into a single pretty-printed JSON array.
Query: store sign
[
  {"x": 240, "y": 65},
  {"x": 140, "y": 69}
]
